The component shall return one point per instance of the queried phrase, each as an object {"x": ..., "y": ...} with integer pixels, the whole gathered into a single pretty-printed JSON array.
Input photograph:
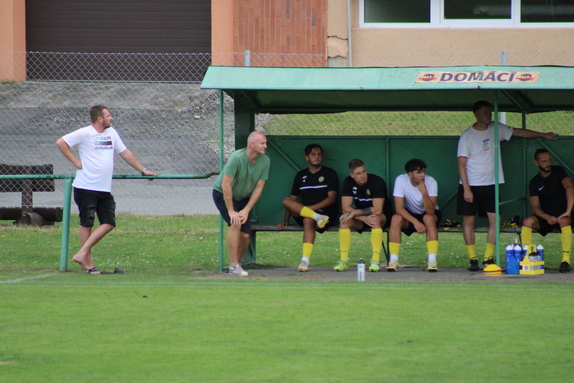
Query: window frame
[{"x": 437, "y": 20}]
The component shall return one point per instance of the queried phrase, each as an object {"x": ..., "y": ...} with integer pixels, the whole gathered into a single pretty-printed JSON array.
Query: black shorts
[
  {"x": 332, "y": 221},
  {"x": 545, "y": 227},
  {"x": 411, "y": 228},
  {"x": 367, "y": 227},
  {"x": 91, "y": 203},
  {"x": 237, "y": 206},
  {"x": 483, "y": 201}
]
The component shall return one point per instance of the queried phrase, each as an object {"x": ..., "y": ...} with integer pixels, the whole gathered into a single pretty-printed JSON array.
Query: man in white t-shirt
[
  {"x": 415, "y": 195},
  {"x": 476, "y": 169},
  {"x": 97, "y": 143}
]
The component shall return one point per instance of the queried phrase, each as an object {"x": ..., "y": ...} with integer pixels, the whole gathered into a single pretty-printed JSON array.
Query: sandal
[{"x": 93, "y": 271}]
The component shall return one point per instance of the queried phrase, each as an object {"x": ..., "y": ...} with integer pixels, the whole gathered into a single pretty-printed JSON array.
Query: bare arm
[
  {"x": 527, "y": 133},
  {"x": 131, "y": 159},
  {"x": 429, "y": 202},
  {"x": 535, "y": 208},
  {"x": 254, "y": 197},
  {"x": 331, "y": 199},
  {"x": 67, "y": 152},
  {"x": 468, "y": 197},
  {"x": 567, "y": 183},
  {"x": 287, "y": 214}
]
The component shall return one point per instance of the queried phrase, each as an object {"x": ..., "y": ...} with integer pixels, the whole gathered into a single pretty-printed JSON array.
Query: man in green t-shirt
[{"x": 235, "y": 192}]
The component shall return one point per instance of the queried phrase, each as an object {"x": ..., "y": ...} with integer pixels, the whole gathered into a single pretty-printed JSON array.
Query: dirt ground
[{"x": 406, "y": 274}]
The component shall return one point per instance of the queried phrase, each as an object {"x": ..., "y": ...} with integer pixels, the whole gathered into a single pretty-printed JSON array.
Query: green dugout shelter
[{"x": 331, "y": 90}]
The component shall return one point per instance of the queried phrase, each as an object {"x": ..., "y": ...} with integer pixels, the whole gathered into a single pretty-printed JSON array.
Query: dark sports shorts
[
  {"x": 411, "y": 228},
  {"x": 332, "y": 221},
  {"x": 483, "y": 201},
  {"x": 237, "y": 205},
  {"x": 92, "y": 202},
  {"x": 367, "y": 227},
  {"x": 545, "y": 227}
]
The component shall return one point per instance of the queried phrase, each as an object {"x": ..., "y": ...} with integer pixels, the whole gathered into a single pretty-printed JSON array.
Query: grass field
[{"x": 162, "y": 321}]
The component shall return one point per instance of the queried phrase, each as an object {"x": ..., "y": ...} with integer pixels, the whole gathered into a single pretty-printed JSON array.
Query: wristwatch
[{"x": 143, "y": 171}]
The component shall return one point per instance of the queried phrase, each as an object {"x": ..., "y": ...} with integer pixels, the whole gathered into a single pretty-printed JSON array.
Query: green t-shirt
[{"x": 245, "y": 174}]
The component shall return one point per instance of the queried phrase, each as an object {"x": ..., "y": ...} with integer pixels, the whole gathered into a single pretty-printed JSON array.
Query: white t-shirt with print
[
  {"x": 97, "y": 155},
  {"x": 413, "y": 197},
  {"x": 478, "y": 147}
]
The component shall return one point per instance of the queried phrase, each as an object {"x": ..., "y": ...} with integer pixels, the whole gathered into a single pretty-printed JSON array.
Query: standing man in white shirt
[
  {"x": 476, "y": 171},
  {"x": 97, "y": 144},
  {"x": 415, "y": 195}
]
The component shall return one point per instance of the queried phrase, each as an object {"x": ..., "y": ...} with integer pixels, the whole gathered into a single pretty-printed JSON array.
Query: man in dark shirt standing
[
  {"x": 317, "y": 188},
  {"x": 368, "y": 194},
  {"x": 551, "y": 201}
]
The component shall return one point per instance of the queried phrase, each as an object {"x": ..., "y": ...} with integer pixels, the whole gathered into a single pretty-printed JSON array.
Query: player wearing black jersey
[
  {"x": 551, "y": 201},
  {"x": 364, "y": 204},
  {"x": 313, "y": 200}
]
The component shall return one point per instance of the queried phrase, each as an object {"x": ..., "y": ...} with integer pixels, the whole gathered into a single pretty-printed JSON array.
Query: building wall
[
  {"x": 269, "y": 28},
  {"x": 445, "y": 46},
  {"x": 12, "y": 40}
]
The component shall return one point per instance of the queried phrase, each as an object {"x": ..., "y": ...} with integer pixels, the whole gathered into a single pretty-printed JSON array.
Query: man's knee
[
  {"x": 429, "y": 220},
  {"x": 397, "y": 221},
  {"x": 309, "y": 224},
  {"x": 530, "y": 221}
]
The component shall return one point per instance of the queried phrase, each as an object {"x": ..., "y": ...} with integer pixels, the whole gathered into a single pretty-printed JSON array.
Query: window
[{"x": 466, "y": 13}]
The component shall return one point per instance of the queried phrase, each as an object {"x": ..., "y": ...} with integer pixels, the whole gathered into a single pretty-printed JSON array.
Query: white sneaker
[
  {"x": 393, "y": 265},
  {"x": 303, "y": 266},
  {"x": 432, "y": 267},
  {"x": 322, "y": 221},
  {"x": 238, "y": 270}
]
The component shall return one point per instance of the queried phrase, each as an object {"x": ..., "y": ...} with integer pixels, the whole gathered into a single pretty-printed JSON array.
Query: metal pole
[
  {"x": 503, "y": 55},
  {"x": 221, "y": 150},
  {"x": 65, "y": 225},
  {"x": 246, "y": 58},
  {"x": 496, "y": 183}
]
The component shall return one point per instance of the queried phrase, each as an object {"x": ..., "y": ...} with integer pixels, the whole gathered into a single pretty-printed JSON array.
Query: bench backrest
[{"x": 386, "y": 156}]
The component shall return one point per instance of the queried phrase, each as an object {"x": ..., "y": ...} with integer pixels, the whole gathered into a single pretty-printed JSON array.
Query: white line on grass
[{"x": 28, "y": 278}]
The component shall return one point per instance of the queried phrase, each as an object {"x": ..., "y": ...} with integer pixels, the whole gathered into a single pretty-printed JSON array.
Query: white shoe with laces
[{"x": 238, "y": 270}]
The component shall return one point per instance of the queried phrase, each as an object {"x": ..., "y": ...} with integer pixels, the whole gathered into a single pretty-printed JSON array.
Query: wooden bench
[
  {"x": 27, "y": 214},
  {"x": 256, "y": 227}
]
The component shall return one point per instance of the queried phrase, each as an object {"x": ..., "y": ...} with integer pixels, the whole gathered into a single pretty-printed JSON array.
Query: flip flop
[
  {"x": 93, "y": 271},
  {"x": 116, "y": 271}
]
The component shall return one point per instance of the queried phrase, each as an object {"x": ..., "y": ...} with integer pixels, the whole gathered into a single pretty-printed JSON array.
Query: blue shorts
[
  {"x": 91, "y": 203},
  {"x": 237, "y": 206}
]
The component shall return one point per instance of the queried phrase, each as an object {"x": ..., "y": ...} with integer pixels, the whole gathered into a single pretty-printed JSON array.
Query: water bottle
[
  {"x": 361, "y": 271},
  {"x": 518, "y": 251},
  {"x": 511, "y": 260},
  {"x": 540, "y": 250},
  {"x": 524, "y": 252}
]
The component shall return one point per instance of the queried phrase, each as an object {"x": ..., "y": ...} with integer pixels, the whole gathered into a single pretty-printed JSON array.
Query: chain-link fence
[{"x": 173, "y": 126}]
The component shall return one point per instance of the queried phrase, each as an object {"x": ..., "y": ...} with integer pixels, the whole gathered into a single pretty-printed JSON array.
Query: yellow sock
[
  {"x": 566, "y": 243},
  {"x": 306, "y": 212},
  {"x": 377, "y": 243},
  {"x": 432, "y": 247},
  {"x": 307, "y": 249},
  {"x": 471, "y": 250},
  {"x": 394, "y": 248},
  {"x": 489, "y": 252},
  {"x": 526, "y": 236},
  {"x": 345, "y": 243}
]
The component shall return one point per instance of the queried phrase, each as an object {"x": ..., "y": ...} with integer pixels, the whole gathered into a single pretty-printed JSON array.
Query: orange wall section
[
  {"x": 297, "y": 28},
  {"x": 13, "y": 40}
]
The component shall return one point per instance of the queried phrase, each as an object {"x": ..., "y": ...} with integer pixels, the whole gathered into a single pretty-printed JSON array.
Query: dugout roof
[{"x": 331, "y": 90}]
